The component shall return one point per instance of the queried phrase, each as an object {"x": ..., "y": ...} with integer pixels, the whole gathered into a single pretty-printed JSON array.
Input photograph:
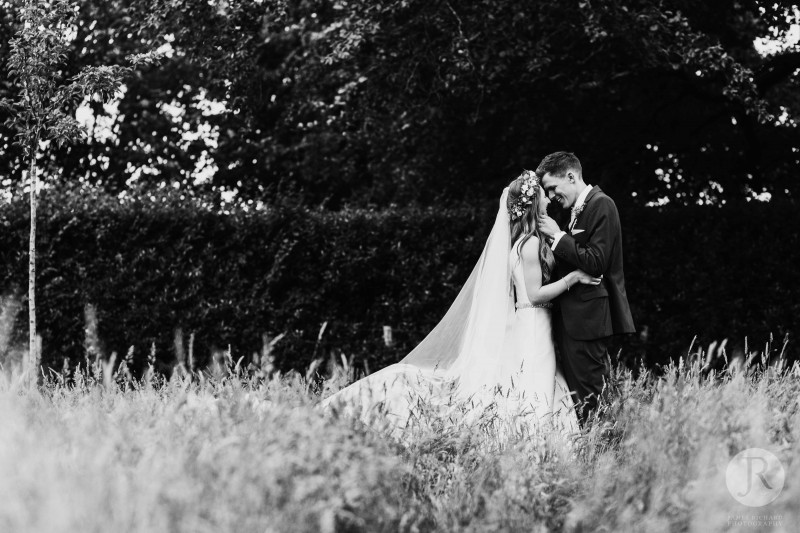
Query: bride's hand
[{"x": 586, "y": 279}]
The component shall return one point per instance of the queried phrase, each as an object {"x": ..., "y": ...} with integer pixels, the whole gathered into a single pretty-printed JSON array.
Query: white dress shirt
[{"x": 579, "y": 202}]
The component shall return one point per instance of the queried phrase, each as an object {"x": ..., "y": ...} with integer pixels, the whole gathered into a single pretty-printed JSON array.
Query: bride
[{"x": 493, "y": 350}]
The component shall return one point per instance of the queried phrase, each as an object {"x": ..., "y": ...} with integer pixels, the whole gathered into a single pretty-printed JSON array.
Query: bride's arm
[{"x": 532, "y": 270}]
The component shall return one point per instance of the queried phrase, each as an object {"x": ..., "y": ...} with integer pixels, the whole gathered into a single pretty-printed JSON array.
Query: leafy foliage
[
  {"x": 36, "y": 58},
  {"x": 153, "y": 265},
  {"x": 333, "y": 103}
]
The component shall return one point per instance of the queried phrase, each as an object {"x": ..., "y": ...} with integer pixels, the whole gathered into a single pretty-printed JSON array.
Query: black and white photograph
[{"x": 407, "y": 266}]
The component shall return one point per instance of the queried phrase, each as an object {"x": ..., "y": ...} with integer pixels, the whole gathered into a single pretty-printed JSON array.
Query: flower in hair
[{"x": 529, "y": 185}]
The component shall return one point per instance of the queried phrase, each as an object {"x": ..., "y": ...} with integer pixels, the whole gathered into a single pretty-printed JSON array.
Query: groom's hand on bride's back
[{"x": 548, "y": 226}]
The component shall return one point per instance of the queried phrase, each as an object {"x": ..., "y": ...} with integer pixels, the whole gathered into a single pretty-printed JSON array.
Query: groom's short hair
[{"x": 558, "y": 163}]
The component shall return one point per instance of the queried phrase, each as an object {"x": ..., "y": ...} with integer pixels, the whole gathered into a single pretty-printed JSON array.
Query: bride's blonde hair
[{"x": 528, "y": 225}]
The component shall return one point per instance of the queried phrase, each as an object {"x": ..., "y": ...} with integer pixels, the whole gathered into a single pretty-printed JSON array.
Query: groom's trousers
[{"x": 583, "y": 364}]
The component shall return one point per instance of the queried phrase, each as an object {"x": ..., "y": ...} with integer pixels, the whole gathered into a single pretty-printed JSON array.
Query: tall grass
[{"x": 94, "y": 450}]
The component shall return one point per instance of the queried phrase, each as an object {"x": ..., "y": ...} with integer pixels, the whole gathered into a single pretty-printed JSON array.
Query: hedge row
[{"x": 151, "y": 267}]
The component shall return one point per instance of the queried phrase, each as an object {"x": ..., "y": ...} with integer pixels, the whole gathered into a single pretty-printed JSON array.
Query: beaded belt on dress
[{"x": 546, "y": 305}]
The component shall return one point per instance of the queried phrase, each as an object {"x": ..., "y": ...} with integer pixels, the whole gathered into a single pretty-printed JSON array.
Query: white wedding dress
[{"x": 484, "y": 362}]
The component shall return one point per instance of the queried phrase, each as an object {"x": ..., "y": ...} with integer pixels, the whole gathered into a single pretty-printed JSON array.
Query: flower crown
[{"x": 529, "y": 186}]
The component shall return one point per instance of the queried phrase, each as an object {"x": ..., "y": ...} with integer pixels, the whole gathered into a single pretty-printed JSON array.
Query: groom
[{"x": 585, "y": 316}]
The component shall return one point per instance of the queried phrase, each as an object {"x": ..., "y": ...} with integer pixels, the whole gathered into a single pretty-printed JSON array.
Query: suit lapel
[{"x": 592, "y": 193}]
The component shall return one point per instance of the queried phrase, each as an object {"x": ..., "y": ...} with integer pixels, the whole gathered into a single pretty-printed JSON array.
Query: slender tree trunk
[{"x": 34, "y": 355}]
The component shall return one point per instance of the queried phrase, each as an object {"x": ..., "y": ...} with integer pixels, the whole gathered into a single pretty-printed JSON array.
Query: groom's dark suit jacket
[{"x": 594, "y": 246}]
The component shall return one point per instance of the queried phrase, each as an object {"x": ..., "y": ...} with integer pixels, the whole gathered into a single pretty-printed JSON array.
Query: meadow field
[{"x": 224, "y": 451}]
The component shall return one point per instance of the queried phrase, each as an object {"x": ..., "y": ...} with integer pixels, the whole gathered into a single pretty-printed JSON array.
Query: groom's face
[{"x": 560, "y": 189}]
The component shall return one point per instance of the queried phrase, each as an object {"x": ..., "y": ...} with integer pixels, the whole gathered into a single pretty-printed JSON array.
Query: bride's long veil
[
  {"x": 468, "y": 339},
  {"x": 464, "y": 356}
]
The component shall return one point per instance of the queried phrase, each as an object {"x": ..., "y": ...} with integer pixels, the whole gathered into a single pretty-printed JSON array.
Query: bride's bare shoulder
[{"x": 530, "y": 248}]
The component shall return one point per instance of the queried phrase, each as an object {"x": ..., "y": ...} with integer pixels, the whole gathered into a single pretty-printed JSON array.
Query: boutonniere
[{"x": 577, "y": 210}]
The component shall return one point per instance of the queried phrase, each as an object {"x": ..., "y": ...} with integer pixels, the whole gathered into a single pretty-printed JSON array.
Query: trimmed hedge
[{"x": 150, "y": 267}]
